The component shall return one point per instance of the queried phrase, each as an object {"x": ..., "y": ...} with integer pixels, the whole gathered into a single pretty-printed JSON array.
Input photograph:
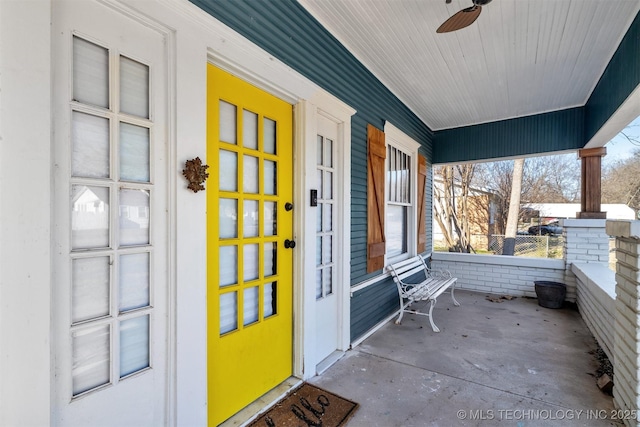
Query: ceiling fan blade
[{"x": 461, "y": 19}]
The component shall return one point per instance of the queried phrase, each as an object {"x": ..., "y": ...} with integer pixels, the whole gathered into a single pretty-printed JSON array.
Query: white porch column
[
  {"x": 585, "y": 240},
  {"x": 626, "y": 368}
]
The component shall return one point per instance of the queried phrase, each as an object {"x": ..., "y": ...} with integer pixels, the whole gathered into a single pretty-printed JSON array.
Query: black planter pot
[{"x": 550, "y": 294}]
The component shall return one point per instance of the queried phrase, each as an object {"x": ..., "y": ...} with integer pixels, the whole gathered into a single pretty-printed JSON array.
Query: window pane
[
  {"x": 227, "y": 122},
  {"x": 327, "y": 216},
  {"x": 269, "y": 136},
  {"x": 270, "y": 299},
  {"x": 327, "y": 281},
  {"x": 250, "y": 175},
  {"x": 90, "y": 369},
  {"x": 328, "y": 186},
  {"x": 228, "y": 227},
  {"x": 228, "y": 176},
  {"x": 269, "y": 177},
  {"x": 318, "y": 250},
  {"x": 251, "y": 218},
  {"x": 328, "y": 153},
  {"x": 134, "y": 217},
  {"x": 250, "y": 129},
  {"x": 134, "y": 87},
  {"x": 134, "y": 153},
  {"x": 319, "y": 217},
  {"x": 319, "y": 150},
  {"x": 90, "y": 146},
  {"x": 396, "y": 230},
  {"x": 134, "y": 345},
  {"x": 270, "y": 213},
  {"x": 90, "y": 295},
  {"x": 398, "y": 176},
  {"x": 90, "y": 73},
  {"x": 134, "y": 281},
  {"x": 319, "y": 284},
  {"x": 89, "y": 217},
  {"x": 228, "y": 265},
  {"x": 250, "y": 262},
  {"x": 250, "y": 303},
  {"x": 327, "y": 255},
  {"x": 270, "y": 264},
  {"x": 228, "y": 312}
]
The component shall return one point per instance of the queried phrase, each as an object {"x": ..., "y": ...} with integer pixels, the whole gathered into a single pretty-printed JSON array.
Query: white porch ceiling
[{"x": 521, "y": 57}]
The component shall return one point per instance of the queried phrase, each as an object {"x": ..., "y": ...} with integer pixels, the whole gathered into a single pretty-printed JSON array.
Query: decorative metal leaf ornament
[{"x": 196, "y": 173}]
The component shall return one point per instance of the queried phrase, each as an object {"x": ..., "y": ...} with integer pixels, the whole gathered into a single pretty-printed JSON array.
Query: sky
[{"x": 619, "y": 148}]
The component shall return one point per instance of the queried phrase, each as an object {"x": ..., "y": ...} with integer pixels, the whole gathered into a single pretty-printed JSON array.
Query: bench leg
[
  {"x": 402, "y": 307},
  {"x": 433, "y": 325},
  {"x": 455, "y": 302}
]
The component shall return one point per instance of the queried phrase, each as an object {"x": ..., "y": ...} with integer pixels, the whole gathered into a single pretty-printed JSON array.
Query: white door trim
[{"x": 305, "y": 123}]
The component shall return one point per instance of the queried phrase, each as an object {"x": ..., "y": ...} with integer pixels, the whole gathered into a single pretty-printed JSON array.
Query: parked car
[{"x": 550, "y": 229}]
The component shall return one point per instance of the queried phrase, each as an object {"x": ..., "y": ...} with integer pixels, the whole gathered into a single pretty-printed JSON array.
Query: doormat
[{"x": 308, "y": 405}]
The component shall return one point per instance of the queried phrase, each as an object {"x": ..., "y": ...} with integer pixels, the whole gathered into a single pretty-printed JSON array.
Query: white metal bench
[{"x": 417, "y": 282}]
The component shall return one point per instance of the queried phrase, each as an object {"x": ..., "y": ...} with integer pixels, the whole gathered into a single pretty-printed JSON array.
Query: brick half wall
[{"x": 501, "y": 275}]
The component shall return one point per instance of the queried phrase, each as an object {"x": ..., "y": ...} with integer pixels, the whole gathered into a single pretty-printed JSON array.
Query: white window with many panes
[
  {"x": 325, "y": 217},
  {"x": 400, "y": 194},
  {"x": 111, "y": 194}
]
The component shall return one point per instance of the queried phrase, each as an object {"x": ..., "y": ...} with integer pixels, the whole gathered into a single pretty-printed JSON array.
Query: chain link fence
[
  {"x": 530, "y": 246},
  {"x": 527, "y": 245}
]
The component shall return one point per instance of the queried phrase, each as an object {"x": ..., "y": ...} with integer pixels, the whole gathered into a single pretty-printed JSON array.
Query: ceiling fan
[{"x": 462, "y": 18}]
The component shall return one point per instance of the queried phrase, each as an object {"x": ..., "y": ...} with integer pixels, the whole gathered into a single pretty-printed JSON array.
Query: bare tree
[
  {"x": 621, "y": 182},
  {"x": 548, "y": 179},
  {"x": 551, "y": 179},
  {"x": 451, "y": 194}
]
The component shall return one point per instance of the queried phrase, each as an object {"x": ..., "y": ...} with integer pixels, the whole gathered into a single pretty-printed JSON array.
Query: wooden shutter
[
  {"x": 422, "y": 194},
  {"x": 376, "y": 155}
]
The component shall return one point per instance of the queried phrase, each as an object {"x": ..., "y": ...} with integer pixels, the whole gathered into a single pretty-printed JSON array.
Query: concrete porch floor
[{"x": 510, "y": 363}]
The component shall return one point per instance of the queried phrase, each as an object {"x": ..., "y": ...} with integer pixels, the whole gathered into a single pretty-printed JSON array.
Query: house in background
[
  {"x": 483, "y": 208},
  {"x": 128, "y": 298},
  {"x": 541, "y": 213}
]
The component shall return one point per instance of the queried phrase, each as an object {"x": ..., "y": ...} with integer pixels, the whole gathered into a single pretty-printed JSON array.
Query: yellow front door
[{"x": 249, "y": 221}]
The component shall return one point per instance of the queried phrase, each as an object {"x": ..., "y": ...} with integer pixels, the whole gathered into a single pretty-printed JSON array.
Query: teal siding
[
  {"x": 372, "y": 305},
  {"x": 620, "y": 78},
  {"x": 555, "y": 131}
]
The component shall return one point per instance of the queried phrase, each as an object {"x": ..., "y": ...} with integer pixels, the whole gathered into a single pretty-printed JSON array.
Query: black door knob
[
  {"x": 289, "y": 244},
  {"x": 288, "y": 206}
]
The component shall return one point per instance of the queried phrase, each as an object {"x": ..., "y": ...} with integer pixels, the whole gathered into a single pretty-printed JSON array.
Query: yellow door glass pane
[
  {"x": 228, "y": 265},
  {"x": 251, "y": 218},
  {"x": 250, "y": 174},
  {"x": 228, "y": 212},
  {"x": 228, "y": 167},
  {"x": 227, "y": 122}
]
